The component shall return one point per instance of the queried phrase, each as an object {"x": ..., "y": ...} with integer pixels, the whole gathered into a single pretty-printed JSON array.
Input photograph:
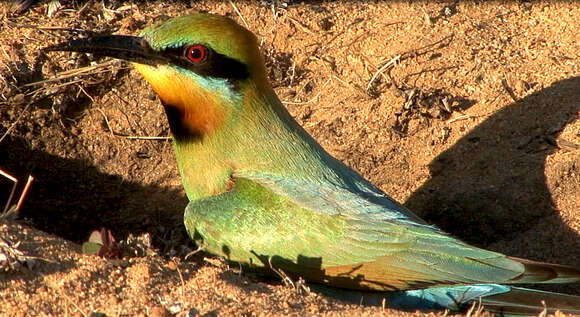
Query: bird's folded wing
[{"x": 362, "y": 240}]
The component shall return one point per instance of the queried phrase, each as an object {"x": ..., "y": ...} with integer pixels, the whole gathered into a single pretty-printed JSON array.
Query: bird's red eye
[{"x": 196, "y": 53}]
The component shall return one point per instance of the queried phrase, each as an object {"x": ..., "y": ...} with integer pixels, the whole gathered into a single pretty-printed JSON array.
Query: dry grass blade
[
  {"x": 49, "y": 28},
  {"x": 544, "y": 311},
  {"x": 24, "y": 192},
  {"x": 15, "y": 181},
  {"x": 301, "y": 25},
  {"x": 390, "y": 63},
  {"x": 156, "y": 138},
  {"x": 52, "y": 86},
  {"x": 15, "y": 122},
  {"x": 300, "y": 286},
  {"x": 311, "y": 99},
  {"x": 106, "y": 122},
  {"x": 10, "y": 209},
  {"x": 285, "y": 278},
  {"x": 461, "y": 117},
  {"x": 199, "y": 249},
  {"x": 88, "y": 70},
  {"x": 475, "y": 310},
  {"x": 239, "y": 13},
  {"x": 176, "y": 262},
  {"x": 418, "y": 51}
]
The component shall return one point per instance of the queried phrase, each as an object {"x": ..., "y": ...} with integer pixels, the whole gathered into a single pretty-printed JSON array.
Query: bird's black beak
[{"x": 129, "y": 48}]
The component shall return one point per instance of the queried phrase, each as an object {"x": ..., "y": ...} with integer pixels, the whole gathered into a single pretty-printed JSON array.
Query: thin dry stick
[
  {"x": 398, "y": 57},
  {"x": 429, "y": 45},
  {"x": 462, "y": 117},
  {"x": 15, "y": 181},
  {"x": 475, "y": 309},
  {"x": 300, "y": 25},
  {"x": 383, "y": 68},
  {"x": 312, "y": 99},
  {"x": 106, "y": 121},
  {"x": 199, "y": 249},
  {"x": 157, "y": 138},
  {"x": 287, "y": 280},
  {"x": 86, "y": 93},
  {"x": 509, "y": 90},
  {"x": 239, "y": 13},
  {"x": 427, "y": 17},
  {"x": 68, "y": 299},
  {"x": 24, "y": 192},
  {"x": 36, "y": 92},
  {"x": 47, "y": 28},
  {"x": 182, "y": 282},
  {"x": 74, "y": 72},
  {"x": 15, "y": 122}
]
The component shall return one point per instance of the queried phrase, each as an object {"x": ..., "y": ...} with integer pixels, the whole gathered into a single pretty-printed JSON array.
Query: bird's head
[{"x": 201, "y": 66}]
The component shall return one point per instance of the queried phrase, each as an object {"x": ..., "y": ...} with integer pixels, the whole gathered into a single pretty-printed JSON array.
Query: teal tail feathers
[{"x": 506, "y": 300}]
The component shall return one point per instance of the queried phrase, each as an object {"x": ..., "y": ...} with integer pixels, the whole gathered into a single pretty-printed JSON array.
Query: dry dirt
[{"x": 474, "y": 124}]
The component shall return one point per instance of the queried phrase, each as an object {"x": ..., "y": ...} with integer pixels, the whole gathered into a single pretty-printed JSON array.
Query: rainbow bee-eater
[{"x": 265, "y": 194}]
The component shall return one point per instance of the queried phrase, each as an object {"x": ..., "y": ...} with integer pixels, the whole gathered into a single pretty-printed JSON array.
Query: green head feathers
[{"x": 219, "y": 33}]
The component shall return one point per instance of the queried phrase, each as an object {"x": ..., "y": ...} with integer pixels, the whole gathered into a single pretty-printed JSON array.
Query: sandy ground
[{"x": 468, "y": 113}]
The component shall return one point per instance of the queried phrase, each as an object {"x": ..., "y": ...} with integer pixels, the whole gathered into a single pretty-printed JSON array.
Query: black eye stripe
[{"x": 215, "y": 64}]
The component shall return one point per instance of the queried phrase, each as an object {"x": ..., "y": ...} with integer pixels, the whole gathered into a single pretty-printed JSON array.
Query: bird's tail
[
  {"x": 502, "y": 299},
  {"x": 541, "y": 272},
  {"x": 523, "y": 301}
]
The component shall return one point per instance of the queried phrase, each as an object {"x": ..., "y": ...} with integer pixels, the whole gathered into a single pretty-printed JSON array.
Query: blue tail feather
[
  {"x": 453, "y": 298},
  {"x": 503, "y": 299},
  {"x": 506, "y": 300}
]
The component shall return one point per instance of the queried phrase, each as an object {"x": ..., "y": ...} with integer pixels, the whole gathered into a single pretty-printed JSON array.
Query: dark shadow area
[
  {"x": 71, "y": 198},
  {"x": 240, "y": 280},
  {"x": 491, "y": 185}
]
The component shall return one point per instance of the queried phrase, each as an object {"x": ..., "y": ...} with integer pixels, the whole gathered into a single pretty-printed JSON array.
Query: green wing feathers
[
  {"x": 253, "y": 225},
  {"x": 248, "y": 224}
]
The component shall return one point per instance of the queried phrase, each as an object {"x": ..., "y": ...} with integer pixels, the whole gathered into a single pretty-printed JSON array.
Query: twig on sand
[
  {"x": 413, "y": 52},
  {"x": 9, "y": 208},
  {"x": 239, "y": 13},
  {"x": 156, "y": 138},
  {"x": 15, "y": 122},
  {"x": 390, "y": 63},
  {"x": 311, "y": 99}
]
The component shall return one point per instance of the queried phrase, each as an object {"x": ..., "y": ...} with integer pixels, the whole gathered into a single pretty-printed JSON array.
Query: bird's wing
[
  {"x": 356, "y": 198},
  {"x": 332, "y": 235}
]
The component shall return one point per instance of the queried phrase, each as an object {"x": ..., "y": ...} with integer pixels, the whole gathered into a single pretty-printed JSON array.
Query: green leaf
[{"x": 91, "y": 247}]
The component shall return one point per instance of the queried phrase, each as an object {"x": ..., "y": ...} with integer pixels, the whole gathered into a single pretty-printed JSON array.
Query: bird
[{"x": 263, "y": 193}]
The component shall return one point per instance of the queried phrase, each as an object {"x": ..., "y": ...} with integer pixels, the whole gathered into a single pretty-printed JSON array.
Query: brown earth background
[{"x": 468, "y": 112}]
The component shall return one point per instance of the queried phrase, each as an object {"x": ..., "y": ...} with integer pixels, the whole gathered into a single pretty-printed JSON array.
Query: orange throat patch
[{"x": 192, "y": 110}]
